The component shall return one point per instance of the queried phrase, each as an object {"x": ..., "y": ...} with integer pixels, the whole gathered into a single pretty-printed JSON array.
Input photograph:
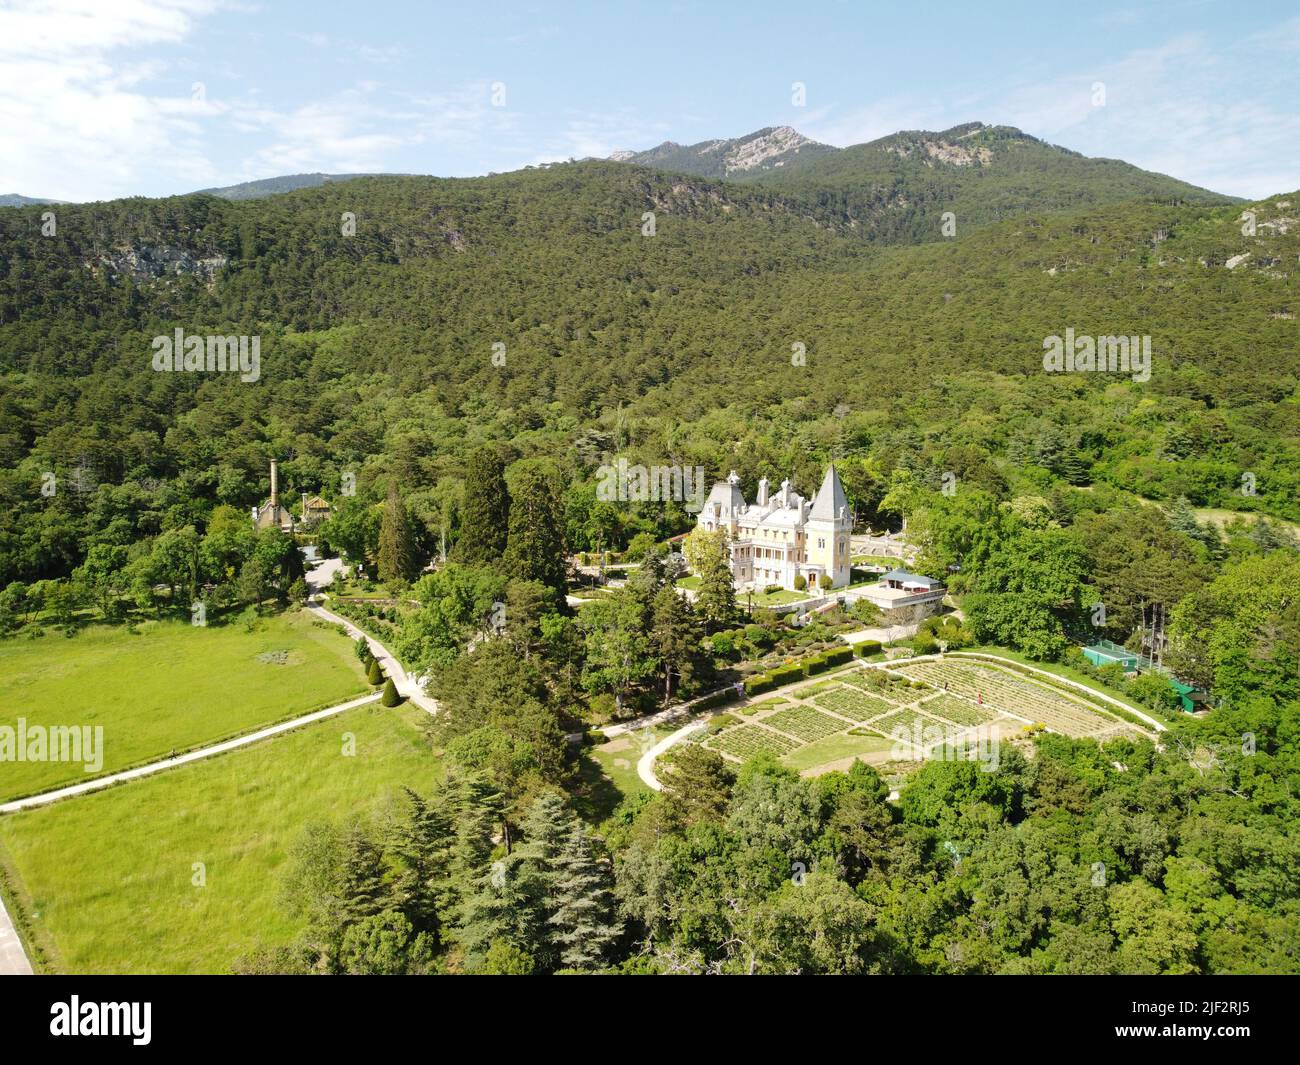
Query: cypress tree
[
  {"x": 397, "y": 557},
  {"x": 535, "y": 544},
  {"x": 485, "y": 514}
]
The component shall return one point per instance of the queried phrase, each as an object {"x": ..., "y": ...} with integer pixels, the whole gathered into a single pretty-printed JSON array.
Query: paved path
[
  {"x": 182, "y": 759},
  {"x": 318, "y": 579},
  {"x": 13, "y": 959}
]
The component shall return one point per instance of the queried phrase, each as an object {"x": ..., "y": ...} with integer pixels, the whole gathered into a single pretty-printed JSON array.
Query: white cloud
[{"x": 75, "y": 126}]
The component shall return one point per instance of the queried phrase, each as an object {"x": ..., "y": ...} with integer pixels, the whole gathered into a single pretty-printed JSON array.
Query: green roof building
[{"x": 1106, "y": 653}]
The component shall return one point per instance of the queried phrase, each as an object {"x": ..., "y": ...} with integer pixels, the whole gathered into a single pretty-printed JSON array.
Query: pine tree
[
  {"x": 422, "y": 846},
  {"x": 675, "y": 637},
  {"x": 475, "y": 808},
  {"x": 582, "y": 923},
  {"x": 362, "y": 890},
  {"x": 397, "y": 557},
  {"x": 535, "y": 544},
  {"x": 501, "y": 905},
  {"x": 485, "y": 513}
]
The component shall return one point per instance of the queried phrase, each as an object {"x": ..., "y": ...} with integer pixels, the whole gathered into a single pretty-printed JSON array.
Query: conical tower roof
[{"x": 830, "y": 500}]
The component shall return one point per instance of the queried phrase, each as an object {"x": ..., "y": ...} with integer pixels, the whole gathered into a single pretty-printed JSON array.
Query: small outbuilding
[{"x": 1106, "y": 653}]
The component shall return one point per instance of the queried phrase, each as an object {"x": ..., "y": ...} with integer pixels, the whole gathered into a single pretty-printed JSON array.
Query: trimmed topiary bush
[
  {"x": 867, "y": 648},
  {"x": 390, "y": 696},
  {"x": 824, "y": 582},
  {"x": 838, "y": 656},
  {"x": 374, "y": 674},
  {"x": 800, "y": 582}
]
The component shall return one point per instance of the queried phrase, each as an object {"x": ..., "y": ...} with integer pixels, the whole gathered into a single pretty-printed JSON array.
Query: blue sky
[{"x": 105, "y": 98}]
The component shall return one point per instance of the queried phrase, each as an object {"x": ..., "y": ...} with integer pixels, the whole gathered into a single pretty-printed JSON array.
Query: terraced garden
[
  {"x": 805, "y": 723},
  {"x": 907, "y": 720},
  {"x": 853, "y": 704},
  {"x": 958, "y": 711},
  {"x": 747, "y": 740},
  {"x": 862, "y": 711},
  {"x": 1017, "y": 696}
]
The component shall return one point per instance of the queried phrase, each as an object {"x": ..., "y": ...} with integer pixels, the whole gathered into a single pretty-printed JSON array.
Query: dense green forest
[{"x": 471, "y": 354}]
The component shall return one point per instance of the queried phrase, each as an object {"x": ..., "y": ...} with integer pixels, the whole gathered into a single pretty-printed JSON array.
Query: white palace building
[{"x": 783, "y": 535}]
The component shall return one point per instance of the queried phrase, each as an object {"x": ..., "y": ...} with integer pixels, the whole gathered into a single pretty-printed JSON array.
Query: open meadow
[
  {"x": 107, "y": 881},
  {"x": 167, "y": 686}
]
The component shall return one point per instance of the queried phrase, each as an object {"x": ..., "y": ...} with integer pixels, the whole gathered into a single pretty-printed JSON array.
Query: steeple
[{"x": 831, "y": 503}]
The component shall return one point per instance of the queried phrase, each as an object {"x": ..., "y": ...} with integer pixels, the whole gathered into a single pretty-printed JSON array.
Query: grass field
[
  {"x": 105, "y": 879},
  {"x": 169, "y": 686},
  {"x": 835, "y": 749}
]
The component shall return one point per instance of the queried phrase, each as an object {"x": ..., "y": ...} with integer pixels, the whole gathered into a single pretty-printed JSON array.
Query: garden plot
[
  {"x": 915, "y": 725},
  {"x": 805, "y": 723},
  {"x": 1012, "y": 694},
  {"x": 854, "y": 705},
  {"x": 884, "y": 686},
  {"x": 745, "y": 741},
  {"x": 958, "y": 711}
]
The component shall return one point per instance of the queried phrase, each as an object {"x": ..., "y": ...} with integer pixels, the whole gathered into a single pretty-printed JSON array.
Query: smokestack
[{"x": 275, "y": 486}]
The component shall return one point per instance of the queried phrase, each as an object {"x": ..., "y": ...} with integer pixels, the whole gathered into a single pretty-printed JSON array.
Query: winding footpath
[{"x": 13, "y": 959}]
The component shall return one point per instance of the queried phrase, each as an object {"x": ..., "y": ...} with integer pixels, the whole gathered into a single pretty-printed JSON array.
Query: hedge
[
  {"x": 721, "y": 698},
  {"x": 867, "y": 648},
  {"x": 838, "y": 656}
]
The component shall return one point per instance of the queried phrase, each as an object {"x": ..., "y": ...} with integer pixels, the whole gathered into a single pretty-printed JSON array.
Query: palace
[{"x": 782, "y": 536}]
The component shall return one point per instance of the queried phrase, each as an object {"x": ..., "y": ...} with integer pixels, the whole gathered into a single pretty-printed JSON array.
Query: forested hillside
[
  {"x": 465, "y": 354},
  {"x": 377, "y": 349}
]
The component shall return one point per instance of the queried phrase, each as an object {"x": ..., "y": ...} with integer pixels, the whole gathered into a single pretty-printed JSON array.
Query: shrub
[
  {"x": 787, "y": 674},
  {"x": 390, "y": 696},
  {"x": 760, "y": 683},
  {"x": 867, "y": 648},
  {"x": 723, "y": 644},
  {"x": 800, "y": 582},
  {"x": 838, "y": 656},
  {"x": 718, "y": 698},
  {"x": 824, "y": 582},
  {"x": 374, "y": 674}
]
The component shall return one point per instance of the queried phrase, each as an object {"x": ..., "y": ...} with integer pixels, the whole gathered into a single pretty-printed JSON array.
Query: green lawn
[
  {"x": 833, "y": 749},
  {"x": 169, "y": 686},
  {"x": 104, "y": 879}
]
